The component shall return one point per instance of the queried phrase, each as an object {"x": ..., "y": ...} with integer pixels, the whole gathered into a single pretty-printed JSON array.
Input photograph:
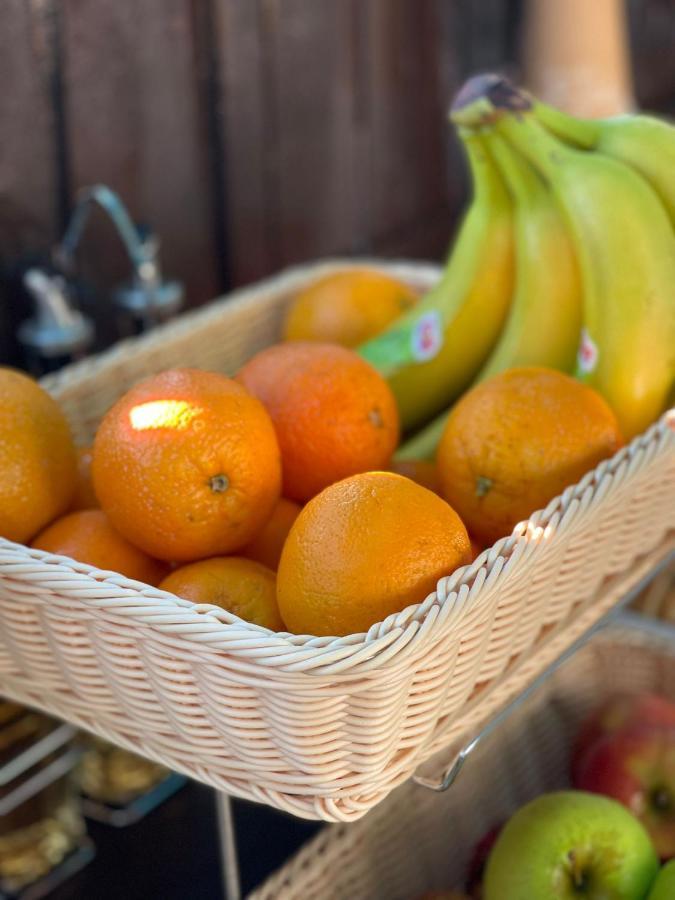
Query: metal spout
[
  {"x": 147, "y": 298},
  {"x": 58, "y": 328}
]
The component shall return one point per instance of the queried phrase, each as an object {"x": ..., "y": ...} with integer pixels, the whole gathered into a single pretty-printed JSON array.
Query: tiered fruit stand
[{"x": 324, "y": 728}]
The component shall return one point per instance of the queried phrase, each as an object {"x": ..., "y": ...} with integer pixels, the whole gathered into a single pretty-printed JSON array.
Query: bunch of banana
[{"x": 608, "y": 267}]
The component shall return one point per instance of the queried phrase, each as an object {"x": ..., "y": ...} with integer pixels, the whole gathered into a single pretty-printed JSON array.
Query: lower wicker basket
[
  {"x": 418, "y": 841},
  {"x": 320, "y": 727}
]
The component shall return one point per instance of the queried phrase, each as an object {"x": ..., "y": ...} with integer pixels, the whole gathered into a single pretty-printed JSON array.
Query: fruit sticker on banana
[
  {"x": 427, "y": 336},
  {"x": 413, "y": 342},
  {"x": 587, "y": 357}
]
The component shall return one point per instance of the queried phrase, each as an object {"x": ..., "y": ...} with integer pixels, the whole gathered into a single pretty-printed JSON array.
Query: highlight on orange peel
[
  {"x": 186, "y": 465},
  {"x": 175, "y": 414}
]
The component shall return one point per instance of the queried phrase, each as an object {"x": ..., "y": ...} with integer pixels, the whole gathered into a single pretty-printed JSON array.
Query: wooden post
[{"x": 576, "y": 55}]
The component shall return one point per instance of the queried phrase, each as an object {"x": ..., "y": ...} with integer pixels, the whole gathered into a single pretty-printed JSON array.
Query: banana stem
[
  {"x": 484, "y": 97},
  {"x": 487, "y": 190},
  {"x": 582, "y": 133},
  {"x": 542, "y": 149},
  {"x": 521, "y": 178},
  {"x": 489, "y": 100},
  {"x": 488, "y": 186}
]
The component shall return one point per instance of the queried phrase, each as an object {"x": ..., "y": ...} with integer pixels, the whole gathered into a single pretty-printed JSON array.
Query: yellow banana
[
  {"x": 626, "y": 249},
  {"x": 544, "y": 319},
  {"x": 643, "y": 142},
  {"x": 433, "y": 352}
]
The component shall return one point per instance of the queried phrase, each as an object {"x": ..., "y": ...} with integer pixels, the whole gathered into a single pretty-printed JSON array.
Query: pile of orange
[
  {"x": 187, "y": 470},
  {"x": 275, "y": 495}
]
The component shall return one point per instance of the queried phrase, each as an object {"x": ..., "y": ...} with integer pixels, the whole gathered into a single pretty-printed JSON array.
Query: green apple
[
  {"x": 664, "y": 886},
  {"x": 571, "y": 845}
]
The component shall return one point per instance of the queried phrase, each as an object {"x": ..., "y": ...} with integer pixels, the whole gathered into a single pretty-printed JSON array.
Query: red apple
[
  {"x": 619, "y": 712},
  {"x": 478, "y": 860},
  {"x": 636, "y": 766}
]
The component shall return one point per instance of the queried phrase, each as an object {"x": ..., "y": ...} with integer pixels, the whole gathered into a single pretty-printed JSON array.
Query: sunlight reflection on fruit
[{"x": 176, "y": 414}]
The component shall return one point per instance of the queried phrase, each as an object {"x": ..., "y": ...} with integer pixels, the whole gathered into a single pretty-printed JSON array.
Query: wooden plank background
[{"x": 251, "y": 134}]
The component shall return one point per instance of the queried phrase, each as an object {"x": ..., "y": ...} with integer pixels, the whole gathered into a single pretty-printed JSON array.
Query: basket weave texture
[
  {"x": 321, "y": 727},
  {"x": 418, "y": 841}
]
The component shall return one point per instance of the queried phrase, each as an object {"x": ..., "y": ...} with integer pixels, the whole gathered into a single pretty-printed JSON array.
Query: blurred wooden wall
[{"x": 251, "y": 134}]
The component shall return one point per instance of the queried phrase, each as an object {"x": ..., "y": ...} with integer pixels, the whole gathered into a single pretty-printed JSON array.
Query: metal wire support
[
  {"x": 228, "y": 845},
  {"x": 452, "y": 770}
]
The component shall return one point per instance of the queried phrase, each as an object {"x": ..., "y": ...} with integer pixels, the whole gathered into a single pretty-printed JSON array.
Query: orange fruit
[
  {"x": 88, "y": 537},
  {"x": 516, "y": 441},
  {"x": 241, "y": 586},
  {"x": 334, "y": 414},
  {"x": 186, "y": 465},
  {"x": 363, "y": 549},
  {"x": 347, "y": 307},
  {"x": 37, "y": 457},
  {"x": 84, "y": 498},
  {"x": 268, "y": 543},
  {"x": 421, "y": 471}
]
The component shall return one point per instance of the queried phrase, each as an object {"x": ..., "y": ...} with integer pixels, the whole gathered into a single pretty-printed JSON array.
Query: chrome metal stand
[{"x": 228, "y": 844}]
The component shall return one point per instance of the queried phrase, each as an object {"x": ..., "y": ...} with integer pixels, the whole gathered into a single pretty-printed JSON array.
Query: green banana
[
  {"x": 544, "y": 319},
  {"x": 432, "y": 353},
  {"x": 424, "y": 444},
  {"x": 643, "y": 142},
  {"x": 626, "y": 250}
]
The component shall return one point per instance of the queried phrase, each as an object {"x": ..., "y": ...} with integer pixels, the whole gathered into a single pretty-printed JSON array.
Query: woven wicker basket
[
  {"x": 320, "y": 727},
  {"x": 417, "y": 841}
]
